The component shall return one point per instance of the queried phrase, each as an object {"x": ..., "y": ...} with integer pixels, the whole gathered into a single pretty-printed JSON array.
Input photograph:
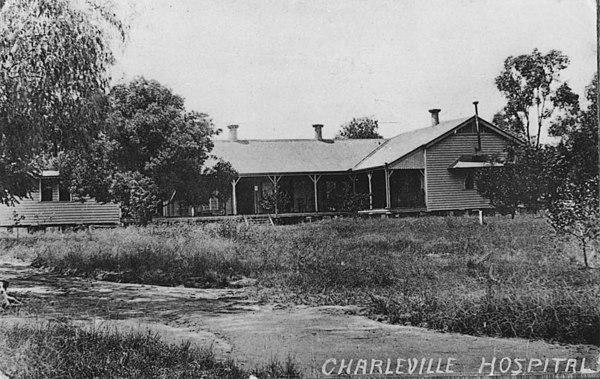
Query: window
[
  {"x": 47, "y": 186},
  {"x": 470, "y": 180},
  {"x": 63, "y": 192},
  {"x": 213, "y": 204},
  {"x": 52, "y": 187}
]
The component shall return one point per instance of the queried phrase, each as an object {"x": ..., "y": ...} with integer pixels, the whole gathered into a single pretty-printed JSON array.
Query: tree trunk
[
  {"x": 527, "y": 129},
  {"x": 584, "y": 248}
]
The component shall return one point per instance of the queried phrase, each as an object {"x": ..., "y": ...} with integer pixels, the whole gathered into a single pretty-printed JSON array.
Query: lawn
[{"x": 508, "y": 278}]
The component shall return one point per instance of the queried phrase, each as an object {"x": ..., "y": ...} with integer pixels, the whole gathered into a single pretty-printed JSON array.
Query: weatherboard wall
[
  {"x": 32, "y": 212},
  {"x": 414, "y": 160},
  {"x": 446, "y": 187}
]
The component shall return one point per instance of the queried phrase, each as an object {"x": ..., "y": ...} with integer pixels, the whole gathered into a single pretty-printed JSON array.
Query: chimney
[
  {"x": 318, "y": 131},
  {"x": 233, "y": 132},
  {"x": 435, "y": 116}
]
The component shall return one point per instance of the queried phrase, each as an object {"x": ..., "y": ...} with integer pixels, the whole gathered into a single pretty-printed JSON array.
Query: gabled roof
[
  {"x": 405, "y": 143},
  {"x": 294, "y": 156}
]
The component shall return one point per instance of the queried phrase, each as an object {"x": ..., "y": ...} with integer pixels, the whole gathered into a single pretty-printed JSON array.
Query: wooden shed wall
[
  {"x": 446, "y": 187},
  {"x": 60, "y": 213}
]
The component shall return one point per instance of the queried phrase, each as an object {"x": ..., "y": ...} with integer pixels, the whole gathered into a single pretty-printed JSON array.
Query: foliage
[
  {"x": 62, "y": 350},
  {"x": 152, "y": 149},
  {"x": 578, "y": 146},
  {"x": 574, "y": 208},
  {"x": 531, "y": 84},
  {"x": 523, "y": 179},
  {"x": 217, "y": 180},
  {"x": 275, "y": 200},
  {"x": 342, "y": 198},
  {"x": 136, "y": 193},
  {"x": 363, "y": 127},
  {"x": 55, "y": 56},
  {"x": 575, "y": 211}
]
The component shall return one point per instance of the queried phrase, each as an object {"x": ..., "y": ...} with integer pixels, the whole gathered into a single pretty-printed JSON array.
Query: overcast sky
[{"x": 275, "y": 67}]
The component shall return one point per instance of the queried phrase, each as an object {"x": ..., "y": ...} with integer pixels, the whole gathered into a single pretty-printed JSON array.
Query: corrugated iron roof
[
  {"x": 313, "y": 156},
  {"x": 405, "y": 143},
  {"x": 294, "y": 156}
]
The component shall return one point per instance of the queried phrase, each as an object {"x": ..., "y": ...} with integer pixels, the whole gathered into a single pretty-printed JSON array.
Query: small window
[
  {"x": 470, "y": 181},
  {"x": 213, "y": 204},
  {"x": 47, "y": 186},
  {"x": 63, "y": 192}
]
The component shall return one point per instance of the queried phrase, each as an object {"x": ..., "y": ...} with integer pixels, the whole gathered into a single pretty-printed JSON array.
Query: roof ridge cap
[{"x": 461, "y": 119}]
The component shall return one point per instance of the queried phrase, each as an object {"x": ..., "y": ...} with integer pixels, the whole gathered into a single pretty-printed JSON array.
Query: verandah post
[
  {"x": 388, "y": 196},
  {"x": 370, "y": 176},
  {"x": 353, "y": 179},
  {"x": 275, "y": 180},
  {"x": 233, "y": 195},
  {"x": 315, "y": 180}
]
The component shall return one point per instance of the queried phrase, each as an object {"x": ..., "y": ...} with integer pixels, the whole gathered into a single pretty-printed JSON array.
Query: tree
[
  {"x": 152, "y": 149},
  {"x": 575, "y": 212},
  {"x": 275, "y": 200},
  {"x": 342, "y": 198},
  {"x": 54, "y": 61},
  {"x": 578, "y": 146},
  {"x": 573, "y": 203},
  {"x": 522, "y": 179},
  {"x": 363, "y": 127},
  {"x": 531, "y": 84}
]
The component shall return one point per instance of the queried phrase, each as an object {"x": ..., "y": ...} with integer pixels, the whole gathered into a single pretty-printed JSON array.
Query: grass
[
  {"x": 509, "y": 278},
  {"x": 56, "y": 350}
]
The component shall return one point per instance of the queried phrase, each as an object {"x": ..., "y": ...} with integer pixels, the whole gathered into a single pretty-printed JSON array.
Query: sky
[{"x": 276, "y": 67}]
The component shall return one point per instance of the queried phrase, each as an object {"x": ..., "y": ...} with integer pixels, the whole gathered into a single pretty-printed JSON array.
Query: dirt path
[{"x": 253, "y": 334}]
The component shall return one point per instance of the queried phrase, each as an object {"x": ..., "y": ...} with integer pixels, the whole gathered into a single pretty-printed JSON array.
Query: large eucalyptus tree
[{"x": 55, "y": 57}]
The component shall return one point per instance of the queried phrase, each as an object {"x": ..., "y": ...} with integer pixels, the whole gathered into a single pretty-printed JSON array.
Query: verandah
[{"x": 322, "y": 192}]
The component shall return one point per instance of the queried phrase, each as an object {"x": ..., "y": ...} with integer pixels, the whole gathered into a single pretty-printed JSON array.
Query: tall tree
[
  {"x": 578, "y": 132},
  {"x": 534, "y": 92},
  {"x": 152, "y": 150},
  {"x": 54, "y": 61},
  {"x": 363, "y": 127},
  {"x": 573, "y": 201}
]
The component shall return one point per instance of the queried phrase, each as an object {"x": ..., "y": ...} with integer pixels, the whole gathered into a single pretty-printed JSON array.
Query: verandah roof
[{"x": 294, "y": 156}]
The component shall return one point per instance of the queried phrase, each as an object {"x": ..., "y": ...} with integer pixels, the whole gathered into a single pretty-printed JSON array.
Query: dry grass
[
  {"x": 507, "y": 278},
  {"x": 56, "y": 350}
]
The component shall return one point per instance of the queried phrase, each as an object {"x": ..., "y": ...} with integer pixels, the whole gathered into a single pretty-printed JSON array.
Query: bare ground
[{"x": 253, "y": 333}]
